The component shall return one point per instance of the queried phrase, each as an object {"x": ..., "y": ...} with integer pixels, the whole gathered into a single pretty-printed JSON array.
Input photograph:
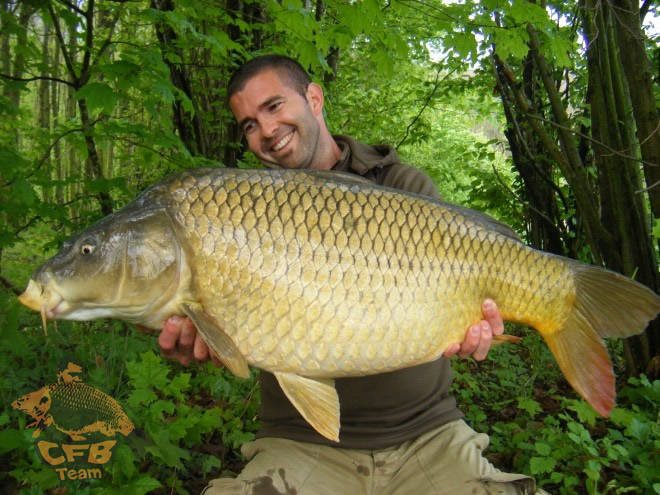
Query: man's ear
[{"x": 315, "y": 98}]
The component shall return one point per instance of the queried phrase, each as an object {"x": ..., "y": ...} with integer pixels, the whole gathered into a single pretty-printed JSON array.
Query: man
[{"x": 401, "y": 432}]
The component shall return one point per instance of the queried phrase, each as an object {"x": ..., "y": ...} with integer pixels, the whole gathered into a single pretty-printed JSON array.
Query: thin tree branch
[
  {"x": 108, "y": 40},
  {"x": 523, "y": 202},
  {"x": 644, "y": 9},
  {"x": 589, "y": 138},
  {"x": 10, "y": 286},
  {"x": 426, "y": 103},
  {"x": 89, "y": 43},
  {"x": 73, "y": 6},
  {"x": 646, "y": 189},
  {"x": 67, "y": 57},
  {"x": 37, "y": 78}
]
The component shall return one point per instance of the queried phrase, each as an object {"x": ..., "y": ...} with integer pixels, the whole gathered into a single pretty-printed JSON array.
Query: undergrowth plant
[
  {"x": 538, "y": 426},
  {"x": 189, "y": 423}
]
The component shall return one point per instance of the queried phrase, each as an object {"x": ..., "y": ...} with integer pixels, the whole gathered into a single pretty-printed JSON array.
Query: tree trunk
[
  {"x": 5, "y": 47},
  {"x": 44, "y": 99},
  {"x": 57, "y": 148},
  {"x": 93, "y": 159},
  {"x": 639, "y": 74},
  {"x": 623, "y": 209},
  {"x": 189, "y": 125}
]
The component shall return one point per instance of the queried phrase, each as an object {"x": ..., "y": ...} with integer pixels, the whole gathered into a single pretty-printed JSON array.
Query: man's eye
[
  {"x": 275, "y": 106},
  {"x": 247, "y": 128}
]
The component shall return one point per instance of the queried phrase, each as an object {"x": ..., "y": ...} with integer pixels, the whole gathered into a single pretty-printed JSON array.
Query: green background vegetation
[{"x": 500, "y": 102}]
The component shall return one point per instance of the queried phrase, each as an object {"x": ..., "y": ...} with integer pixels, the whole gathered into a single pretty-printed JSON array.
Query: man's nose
[{"x": 269, "y": 127}]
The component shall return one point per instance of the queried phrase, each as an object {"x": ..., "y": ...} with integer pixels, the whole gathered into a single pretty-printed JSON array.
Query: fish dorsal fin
[
  {"x": 219, "y": 342},
  {"x": 315, "y": 399}
]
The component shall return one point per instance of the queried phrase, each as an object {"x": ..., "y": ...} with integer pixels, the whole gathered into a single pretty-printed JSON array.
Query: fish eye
[{"x": 87, "y": 249}]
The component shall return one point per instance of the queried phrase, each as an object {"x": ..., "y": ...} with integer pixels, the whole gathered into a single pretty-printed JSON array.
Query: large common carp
[{"x": 312, "y": 276}]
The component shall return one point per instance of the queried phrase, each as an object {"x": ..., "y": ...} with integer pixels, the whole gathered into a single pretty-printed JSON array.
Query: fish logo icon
[{"x": 74, "y": 407}]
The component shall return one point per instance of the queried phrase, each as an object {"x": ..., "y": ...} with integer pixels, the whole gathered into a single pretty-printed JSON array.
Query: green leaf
[
  {"x": 148, "y": 372},
  {"x": 540, "y": 465},
  {"x": 11, "y": 439},
  {"x": 542, "y": 448},
  {"x": 141, "y": 485},
  {"x": 530, "y": 405},
  {"x": 164, "y": 449},
  {"x": 464, "y": 44},
  {"x": 586, "y": 413},
  {"x": 98, "y": 95},
  {"x": 23, "y": 191},
  {"x": 211, "y": 462},
  {"x": 126, "y": 460},
  {"x": 656, "y": 228},
  {"x": 638, "y": 430},
  {"x": 141, "y": 396}
]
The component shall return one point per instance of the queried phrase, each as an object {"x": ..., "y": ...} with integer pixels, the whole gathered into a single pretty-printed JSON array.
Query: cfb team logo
[{"x": 83, "y": 414}]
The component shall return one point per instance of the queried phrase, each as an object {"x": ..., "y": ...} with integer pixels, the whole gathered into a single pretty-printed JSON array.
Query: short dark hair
[{"x": 287, "y": 68}]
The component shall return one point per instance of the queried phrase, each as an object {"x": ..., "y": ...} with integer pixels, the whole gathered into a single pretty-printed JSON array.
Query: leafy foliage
[{"x": 418, "y": 75}]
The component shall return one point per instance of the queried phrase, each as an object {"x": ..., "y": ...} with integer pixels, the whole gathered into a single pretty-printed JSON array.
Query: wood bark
[
  {"x": 631, "y": 42},
  {"x": 44, "y": 99},
  {"x": 623, "y": 209},
  {"x": 189, "y": 125}
]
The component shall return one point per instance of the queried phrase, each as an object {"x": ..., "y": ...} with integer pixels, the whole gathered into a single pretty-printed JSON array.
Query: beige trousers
[{"x": 447, "y": 460}]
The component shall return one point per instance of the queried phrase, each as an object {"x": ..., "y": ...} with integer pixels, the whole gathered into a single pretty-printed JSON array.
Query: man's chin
[{"x": 287, "y": 161}]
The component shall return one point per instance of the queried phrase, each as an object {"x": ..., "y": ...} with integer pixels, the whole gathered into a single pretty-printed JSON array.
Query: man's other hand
[
  {"x": 180, "y": 340},
  {"x": 479, "y": 337}
]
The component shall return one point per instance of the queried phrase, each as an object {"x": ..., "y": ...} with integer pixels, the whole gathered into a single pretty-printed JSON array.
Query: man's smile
[{"x": 283, "y": 142}]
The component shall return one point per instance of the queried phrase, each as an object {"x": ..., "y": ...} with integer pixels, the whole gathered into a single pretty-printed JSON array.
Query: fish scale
[
  {"x": 314, "y": 275},
  {"x": 359, "y": 272}
]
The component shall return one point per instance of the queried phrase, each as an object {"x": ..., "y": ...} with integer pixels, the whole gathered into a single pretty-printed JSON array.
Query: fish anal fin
[
  {"x": 583, "y": 358},
  {"x": 217, "y": 339},
  {"x": 315, "y": 399}
]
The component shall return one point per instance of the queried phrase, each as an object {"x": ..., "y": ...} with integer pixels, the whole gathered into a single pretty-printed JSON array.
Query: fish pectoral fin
[
  {"x": 219, "y": 342},
  {"x": 504, "y": 339},
  {"x": 315, "y": 399}
]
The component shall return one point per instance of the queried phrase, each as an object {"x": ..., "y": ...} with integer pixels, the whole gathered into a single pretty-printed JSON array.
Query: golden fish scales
[{"x": 320, "y": 279}]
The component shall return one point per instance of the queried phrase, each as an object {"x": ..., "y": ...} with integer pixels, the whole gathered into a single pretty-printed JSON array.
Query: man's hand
[
  {"x": 180, "y": 340},
  {"x": 480, "y": 336}
]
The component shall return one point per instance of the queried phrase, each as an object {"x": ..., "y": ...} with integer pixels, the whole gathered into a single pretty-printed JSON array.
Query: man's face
[{"x": 281, "y": 126}]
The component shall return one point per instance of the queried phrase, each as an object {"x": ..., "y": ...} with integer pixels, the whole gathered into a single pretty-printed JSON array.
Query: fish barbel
[{"x": 313, "y": 276}]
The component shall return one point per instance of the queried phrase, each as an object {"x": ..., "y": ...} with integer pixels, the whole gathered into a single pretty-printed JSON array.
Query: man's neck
[{"x": 329, "y": 152}]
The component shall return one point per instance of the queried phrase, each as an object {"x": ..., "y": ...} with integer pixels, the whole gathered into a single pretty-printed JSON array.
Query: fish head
[
  {"x": 123, "y": 266},
  {"x": 35, "y": 404}
]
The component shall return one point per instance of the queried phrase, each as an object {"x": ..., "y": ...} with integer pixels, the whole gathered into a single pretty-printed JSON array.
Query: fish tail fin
[{"x": 606, "y": 304}]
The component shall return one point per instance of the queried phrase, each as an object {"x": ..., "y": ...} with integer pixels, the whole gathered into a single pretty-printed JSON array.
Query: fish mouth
[{"x": 47, "y": 302}]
